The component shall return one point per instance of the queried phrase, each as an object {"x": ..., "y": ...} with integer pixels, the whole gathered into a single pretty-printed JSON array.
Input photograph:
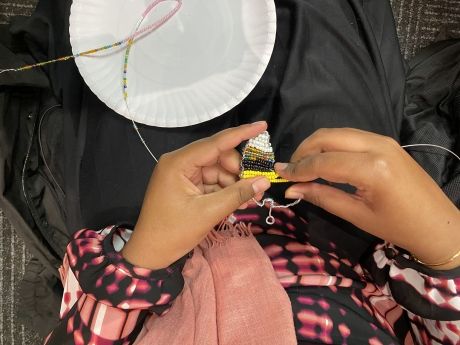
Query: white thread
[
  {"x": 8, "y": 70},
  {"x": 143, "y": 140},
  {"x": 433, "y": 145},
  {"x": 127, "y": 105},
  {"x": 270, "y": 220}
]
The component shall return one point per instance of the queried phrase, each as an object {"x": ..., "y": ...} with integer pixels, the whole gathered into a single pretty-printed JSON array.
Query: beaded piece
[{"x": 259, "y": 159}]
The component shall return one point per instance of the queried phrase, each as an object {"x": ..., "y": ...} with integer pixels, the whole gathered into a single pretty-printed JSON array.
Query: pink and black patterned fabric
[{"x": 385, "y": 298}]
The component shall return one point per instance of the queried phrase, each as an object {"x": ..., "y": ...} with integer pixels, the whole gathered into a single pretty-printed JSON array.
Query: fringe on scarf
[{"x": 226, "y": 231}]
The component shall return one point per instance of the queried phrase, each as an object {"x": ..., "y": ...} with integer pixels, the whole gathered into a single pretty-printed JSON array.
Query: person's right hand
[
  {"x": 191, "y": 190},
  {"x": 395, "y": 199}
]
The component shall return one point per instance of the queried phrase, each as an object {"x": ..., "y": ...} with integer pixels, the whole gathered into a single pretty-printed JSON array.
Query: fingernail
[
  {"x": 260, "y": 185},
  {"x": 243, "y": 207},
  {"x": 290, "y": 194},
  {"x": 258, "y": 123},
  {"x": 280, "y": 166}
]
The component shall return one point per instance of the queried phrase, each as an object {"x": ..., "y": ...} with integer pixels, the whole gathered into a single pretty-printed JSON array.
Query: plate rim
[{"x": 249, "y": 86}]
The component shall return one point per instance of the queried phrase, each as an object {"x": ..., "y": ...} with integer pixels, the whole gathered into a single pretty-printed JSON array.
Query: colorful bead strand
[
  {"x": 129, "y": 41},
  {"x": 136, "y": 32}
]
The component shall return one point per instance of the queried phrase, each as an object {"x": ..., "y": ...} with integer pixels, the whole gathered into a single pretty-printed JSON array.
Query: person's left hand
[{"x": 191, "y": 190}]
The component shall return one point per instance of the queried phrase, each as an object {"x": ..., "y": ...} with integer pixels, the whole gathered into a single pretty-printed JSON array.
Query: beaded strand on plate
[{"x": 129, "y": 42}]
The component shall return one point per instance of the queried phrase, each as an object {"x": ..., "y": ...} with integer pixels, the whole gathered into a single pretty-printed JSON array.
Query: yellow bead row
[{"x": 272, "y": 176}]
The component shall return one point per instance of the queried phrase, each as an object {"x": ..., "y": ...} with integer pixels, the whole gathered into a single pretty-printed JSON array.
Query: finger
[
  {"x": 338, "y": 139},
  {"x": 258, "y": 196},
  {"x": 216, "y": 174},
  {"x": 338, "y": 167},
  {"x": 231, "y": 161},
  {"x": 211, "y": 188},
  {"x": 207, "y": 151},
  {"x": 342, "y": 204},
  {"x": 220, "y": 204},
  {"x": 244, "y": 206}
]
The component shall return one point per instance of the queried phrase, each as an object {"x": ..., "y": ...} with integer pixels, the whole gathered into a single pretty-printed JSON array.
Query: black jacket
[{"x": 31, "y": 179}]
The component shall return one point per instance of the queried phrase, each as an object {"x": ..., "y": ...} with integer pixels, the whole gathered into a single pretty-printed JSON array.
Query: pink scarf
[{"x": 231, "y": 296}]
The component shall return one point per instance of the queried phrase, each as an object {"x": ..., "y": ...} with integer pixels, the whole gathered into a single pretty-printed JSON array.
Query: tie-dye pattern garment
[{"x": 384, "y": 299}]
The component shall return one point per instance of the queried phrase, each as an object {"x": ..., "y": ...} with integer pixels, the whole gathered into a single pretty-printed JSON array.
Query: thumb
[{"x": 225, "y": 201}]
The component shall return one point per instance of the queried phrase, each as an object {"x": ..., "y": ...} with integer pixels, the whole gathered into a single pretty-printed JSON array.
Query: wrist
[
  {"x": 143, "y": 250},
  {"x": 441, "y": 249},
  {"x": 455, "y": 263},
  {"x": 447, "y": 264}
]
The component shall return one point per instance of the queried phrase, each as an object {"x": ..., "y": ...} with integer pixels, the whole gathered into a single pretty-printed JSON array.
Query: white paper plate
[{"x": 199, "y": 65}]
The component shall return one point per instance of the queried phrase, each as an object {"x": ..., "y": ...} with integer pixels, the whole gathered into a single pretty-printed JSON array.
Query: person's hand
[
  {"x": 395, "y": 198},
  {"x": 190, "y": 191}
]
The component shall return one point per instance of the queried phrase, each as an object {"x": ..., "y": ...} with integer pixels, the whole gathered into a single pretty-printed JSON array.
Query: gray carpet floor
[
  {"x": 419, "y": 22},
  {"x": 14, "y": 257}
]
